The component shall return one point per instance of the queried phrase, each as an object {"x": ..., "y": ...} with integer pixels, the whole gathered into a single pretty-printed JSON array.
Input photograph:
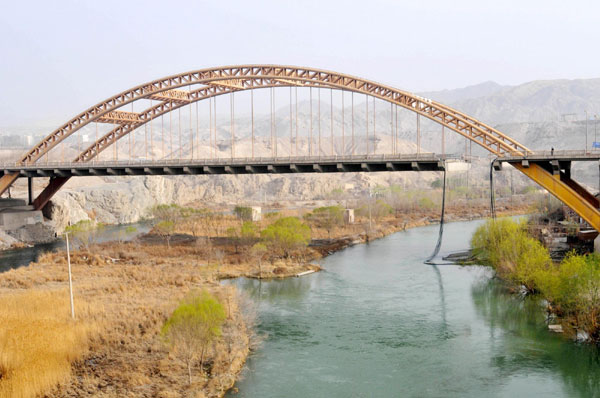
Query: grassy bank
[{"x": 571, "y": 287}]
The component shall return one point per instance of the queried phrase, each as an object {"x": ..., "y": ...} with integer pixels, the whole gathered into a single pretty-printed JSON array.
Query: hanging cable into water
[
  {"x": 438, "y": 245},
  {"x": 492, "y": 195}
]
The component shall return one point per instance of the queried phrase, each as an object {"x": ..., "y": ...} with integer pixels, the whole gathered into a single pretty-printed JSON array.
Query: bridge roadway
[
  {"x": 562, "y": 156},
  {"x": 555, "y": 162},
  {"x": 279, "y": 165}
]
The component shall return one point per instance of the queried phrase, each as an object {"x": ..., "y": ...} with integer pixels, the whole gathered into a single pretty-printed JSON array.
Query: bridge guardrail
[{"x": 232, "y": 161}]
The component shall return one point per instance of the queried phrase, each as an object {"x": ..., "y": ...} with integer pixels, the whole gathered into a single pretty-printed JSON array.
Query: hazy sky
[{"x": 59, "y": 57}]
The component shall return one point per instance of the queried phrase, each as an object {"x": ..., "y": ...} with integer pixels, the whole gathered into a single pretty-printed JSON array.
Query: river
[
  {"x": 15, "y": 258},
  {"x": 377, "y": 322}
]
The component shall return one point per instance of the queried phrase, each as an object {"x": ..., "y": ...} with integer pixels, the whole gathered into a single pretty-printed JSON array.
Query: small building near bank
[
  {"x": 349, "y": 216},
  {"x": 256, "y": 213}
]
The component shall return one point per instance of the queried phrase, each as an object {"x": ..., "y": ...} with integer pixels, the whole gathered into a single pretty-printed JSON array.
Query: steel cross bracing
[{"x": 213, "y": 82}]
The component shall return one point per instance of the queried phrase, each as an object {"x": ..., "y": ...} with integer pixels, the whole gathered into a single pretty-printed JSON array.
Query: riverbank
[
  {"x": 569, "y": 287},
  {"x": 129, "y": 289}
]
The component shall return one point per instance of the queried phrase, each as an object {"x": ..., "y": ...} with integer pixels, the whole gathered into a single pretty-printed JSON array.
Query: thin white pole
[
  {"x": 210, "y": 127},
  {"x": 296, "y": 99},
  {"x": 374, "y": 128},
  {"x": 311, "y": 125},
  {"x": 352, "y": 100},
  {"x": 231, "y": 116},
  {"x": 367, "y": 121},
  {"x": 215, "y": 126},
  {"x": 319, "y": 117},
  {"x": 331, "y": 119},
  {"x": 272, "y": 141},
  {"x": 191, "y": 134},
  {"x": 70, "y": 278},
  {"x": 151, "y": 133},
  {"x": 343, "y": 138},
  {"x": 252, "y": 112},
  {"x": 291, "y": 124}
]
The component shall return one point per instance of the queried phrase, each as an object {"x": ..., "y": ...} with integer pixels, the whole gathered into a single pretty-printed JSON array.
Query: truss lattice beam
[
  {"x": 120, "y": 117},
  {"x": 172, "y": 95},
  {"x": 252, "y": 76}
]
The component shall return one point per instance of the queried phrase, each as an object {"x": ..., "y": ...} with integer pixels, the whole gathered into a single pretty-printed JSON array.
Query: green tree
[
  {"x": 244, "y": 213},
  {"x": 166, "y": 212},
  {"x": 505, "y": 245},
  {"x": 194, "y": 324},
  {"x": 234, "y": 237},
  {"x": 258, "y": 251},
  {"x": 248, "y": 232},
  {"x": 381, "y": 209},
  {"x": 327, "y": 217},
  {"x": 166, "y": 218},
  {"x": 166, "y": 229},
  {"x": 85, "y": 232},
  {"x": 200, "y": 220},
  {"x": 286, "y": 234}
]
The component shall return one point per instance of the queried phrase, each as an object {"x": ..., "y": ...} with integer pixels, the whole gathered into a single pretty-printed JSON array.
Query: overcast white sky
[{"x": 59, "y": 57}]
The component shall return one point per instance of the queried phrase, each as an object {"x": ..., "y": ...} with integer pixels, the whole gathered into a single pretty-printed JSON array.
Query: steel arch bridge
[{"x": 551, "y": 173}]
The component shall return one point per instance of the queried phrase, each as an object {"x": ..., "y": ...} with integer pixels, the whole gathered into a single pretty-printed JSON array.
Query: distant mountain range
[{"x": 536, "y": 101}]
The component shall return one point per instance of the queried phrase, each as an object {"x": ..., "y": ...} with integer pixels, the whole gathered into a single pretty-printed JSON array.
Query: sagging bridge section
[{"x": 166, "y": 95}]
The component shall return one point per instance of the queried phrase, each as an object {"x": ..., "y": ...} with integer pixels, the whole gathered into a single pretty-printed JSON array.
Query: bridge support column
[
  {"x": 29, "y": 190},
  {"x": 43, "y": 198},
  {"x": 7, "y": 180}
]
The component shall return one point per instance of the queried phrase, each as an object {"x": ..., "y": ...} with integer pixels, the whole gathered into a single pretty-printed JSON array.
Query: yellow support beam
[{"x": 563, "y": 192}]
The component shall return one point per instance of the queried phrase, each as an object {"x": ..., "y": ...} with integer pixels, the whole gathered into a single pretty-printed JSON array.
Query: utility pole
[
  {"x": 595, "y": 124},
  {"x": 586, "y": 131},
  {"x": 70, "y": 279}
]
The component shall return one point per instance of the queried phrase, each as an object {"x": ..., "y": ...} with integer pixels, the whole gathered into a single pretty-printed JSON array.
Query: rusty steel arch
[{"x": 244, "y": 77}]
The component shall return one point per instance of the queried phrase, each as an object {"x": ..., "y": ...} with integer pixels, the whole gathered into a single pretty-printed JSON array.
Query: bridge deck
[
  {"x": 314, "y": 164},
  {"x": 574, "y": 155}
]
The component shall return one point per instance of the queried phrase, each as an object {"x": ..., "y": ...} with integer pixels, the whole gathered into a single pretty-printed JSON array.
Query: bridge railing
[
  {"x": 234, "y": 161},
  {"x": 574, "y": 153}
]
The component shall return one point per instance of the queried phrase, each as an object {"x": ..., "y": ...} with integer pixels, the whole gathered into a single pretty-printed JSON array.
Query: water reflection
[
  {"x": 444, "y": 329},
  {"x": 274, "y": 290},
  {"x": 525, "y": 345}
]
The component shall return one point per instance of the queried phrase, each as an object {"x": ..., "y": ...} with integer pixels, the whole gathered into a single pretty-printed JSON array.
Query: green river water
[{"x": 377, "y": 322}]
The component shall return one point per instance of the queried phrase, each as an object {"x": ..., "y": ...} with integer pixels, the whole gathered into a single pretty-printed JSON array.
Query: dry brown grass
[
  {"x": 38, "y": 341},
  {"x": 130, "y": 289}
]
